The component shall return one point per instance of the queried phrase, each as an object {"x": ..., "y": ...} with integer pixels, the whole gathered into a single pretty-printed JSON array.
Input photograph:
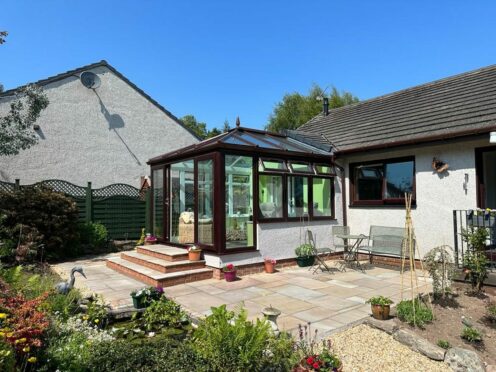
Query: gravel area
[{"x": 363, "y": 348}]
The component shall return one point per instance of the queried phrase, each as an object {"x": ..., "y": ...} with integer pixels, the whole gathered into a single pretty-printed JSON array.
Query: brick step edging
[{"x": 191, "y": 265}]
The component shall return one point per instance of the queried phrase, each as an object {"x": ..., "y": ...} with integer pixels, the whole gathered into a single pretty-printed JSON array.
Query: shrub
[
  {"x": 7, "y": 357},
  {"x": 475, "y": 260},
  {"x": 440, "y": 265},
  {"x": 52, "y": 215},
  {"x": 419, "y": 317},
  {"x": 491, "y": 312},
  {"x": 163, "y": 313},
  {"x": 155, "y": 354},
  {"x": 71, "y": 342},
  {"x": 232, "y": 343},
  {"x": 379, "y": 300},
  {"x": 93, "y": 234},
  {"x": 443, "y": 344},
  {"x": 471, "y": 334},
  {"x": 304, "y": 250}
]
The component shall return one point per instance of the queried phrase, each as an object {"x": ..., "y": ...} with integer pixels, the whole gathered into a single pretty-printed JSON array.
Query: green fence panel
[{"x": 120, "y": 207}]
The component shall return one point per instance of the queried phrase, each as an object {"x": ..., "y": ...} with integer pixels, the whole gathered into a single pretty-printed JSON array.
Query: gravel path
[{"x": 363, "y": 348}]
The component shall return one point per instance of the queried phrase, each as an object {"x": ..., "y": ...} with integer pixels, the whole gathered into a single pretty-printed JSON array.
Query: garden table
[{"x": 350, "y": 254}]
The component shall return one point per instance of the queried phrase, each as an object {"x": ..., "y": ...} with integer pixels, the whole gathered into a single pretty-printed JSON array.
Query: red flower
[
  {"x": 310, "y": 360},
  {"x": 316, "y": 365},
  {"x": 230, "y": 266}
]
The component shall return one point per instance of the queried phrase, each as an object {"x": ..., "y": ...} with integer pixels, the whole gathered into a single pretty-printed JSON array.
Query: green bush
[
  {"x": 7, "y": 357},
  {"x": 304, "y": 250},
  {"x": 443, "y": 344},
  {"x": 51, "y": 217},
  {"x": 405, "y": 312},
  {"x": 491, "y": 312},
  {"x": 471, "y": 334},
  {"x": 379, "y": 300},
  {"x": 146, "y": 355},
  {"x": 163, "y": 313},
  {"x": 93, "y": 234},
  {"x": 231, "y": 343}
]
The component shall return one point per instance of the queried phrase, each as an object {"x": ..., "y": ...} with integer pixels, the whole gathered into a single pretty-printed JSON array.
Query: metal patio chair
[{"x": 320, "y": 255}]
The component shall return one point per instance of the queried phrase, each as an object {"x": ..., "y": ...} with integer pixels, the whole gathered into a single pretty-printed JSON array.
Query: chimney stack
[{"x": 325, "y": 106}]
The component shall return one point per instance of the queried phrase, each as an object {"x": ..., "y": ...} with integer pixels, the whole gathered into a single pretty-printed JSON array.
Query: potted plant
[
  {"x": 304, "y": 255},
  {"x": 270, "y": 265},
  {"x": 145, "y": 296},
  {"x": 194, "y": 253},
  {"x": 380, "y": 306},
  {"x": 150, "y": 239},
  {"x": 229, "y": 272}
]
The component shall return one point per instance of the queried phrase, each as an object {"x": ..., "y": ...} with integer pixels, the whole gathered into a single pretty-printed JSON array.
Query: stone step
[
  {"x": 157, "y": 278},
  {"x": 161, "y": 265},
  {"x": 164, "y": 252}
]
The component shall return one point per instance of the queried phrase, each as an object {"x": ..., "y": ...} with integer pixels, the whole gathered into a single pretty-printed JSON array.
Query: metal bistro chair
[
  {"x": 320, "y": 254},
  {"x": 338, "y": 242}
]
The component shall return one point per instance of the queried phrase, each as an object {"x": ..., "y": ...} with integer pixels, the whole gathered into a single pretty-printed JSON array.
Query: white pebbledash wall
[
  {"x": 437, "y": 194},
  {"x": 279, "y": 240},
  {"x": 82, "y": 139}
]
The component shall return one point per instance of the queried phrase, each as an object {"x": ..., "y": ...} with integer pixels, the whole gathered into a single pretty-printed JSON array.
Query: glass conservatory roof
[{"x": 249, "y": 139}]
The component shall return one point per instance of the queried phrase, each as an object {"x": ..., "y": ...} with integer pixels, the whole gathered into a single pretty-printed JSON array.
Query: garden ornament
[{"x": 65, "y": 287}]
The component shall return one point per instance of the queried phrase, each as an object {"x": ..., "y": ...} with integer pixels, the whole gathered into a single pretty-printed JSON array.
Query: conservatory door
[{"x": 181, "y": 202}]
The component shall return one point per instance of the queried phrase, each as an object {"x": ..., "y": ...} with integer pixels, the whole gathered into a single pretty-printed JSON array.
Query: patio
[{"x": 328, "y": 301}]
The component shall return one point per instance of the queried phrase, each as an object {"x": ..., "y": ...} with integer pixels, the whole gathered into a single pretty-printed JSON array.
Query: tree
[
  {"x": 200, "y": 128},
  {"x": 16, "y": 132},
  {"x": 296, "y": 109}
]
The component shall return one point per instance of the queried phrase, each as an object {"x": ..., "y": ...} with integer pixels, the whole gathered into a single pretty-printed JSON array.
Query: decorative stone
[
  {"x": 419, "y": 344},
  {"x": 271, "y": 314},
  {"x": 463, "y": 360},
  {"x": 388, "y": 326}
]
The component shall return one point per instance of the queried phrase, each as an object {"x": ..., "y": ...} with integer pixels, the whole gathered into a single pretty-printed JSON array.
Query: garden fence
[
  {"x": 477, "y": 219},
  {"x": 122, "y": 208}
]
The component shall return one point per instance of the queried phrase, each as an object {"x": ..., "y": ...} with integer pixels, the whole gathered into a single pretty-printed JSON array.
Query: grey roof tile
[{"x": 459, "y": 105}]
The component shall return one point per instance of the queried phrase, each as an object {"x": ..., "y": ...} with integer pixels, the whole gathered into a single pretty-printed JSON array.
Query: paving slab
[{"x": 328, "y": 301}]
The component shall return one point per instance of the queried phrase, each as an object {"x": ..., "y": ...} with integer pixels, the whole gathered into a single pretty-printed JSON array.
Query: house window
[
  {"x": 382, "y": 182},
  {"x": 295, "y": 191}
]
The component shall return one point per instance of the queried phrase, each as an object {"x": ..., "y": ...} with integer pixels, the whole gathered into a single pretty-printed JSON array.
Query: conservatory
[{"x": 220, "y": 193}]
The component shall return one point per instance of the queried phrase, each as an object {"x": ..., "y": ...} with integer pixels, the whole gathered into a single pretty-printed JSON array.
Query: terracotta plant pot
[
  {"x": 380, "y": 312},
  {"x": 150, "y": 242},
  {"x": 230, "y": 276},
  {"x": 270, "y": 268},
  {"x": 194, "y": 255}
]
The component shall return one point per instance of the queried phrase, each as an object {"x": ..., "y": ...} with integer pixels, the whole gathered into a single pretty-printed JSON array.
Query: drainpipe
[{"x": 343, "y": 191}]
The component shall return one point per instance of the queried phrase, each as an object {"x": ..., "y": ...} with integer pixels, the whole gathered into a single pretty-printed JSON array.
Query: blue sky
[{"x": 220, "y": 59}]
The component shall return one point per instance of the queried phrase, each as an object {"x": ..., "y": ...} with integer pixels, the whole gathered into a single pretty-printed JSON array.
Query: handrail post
[
  {"x": 148, "y": 216},
  {"x": 17, "y": 185},
  {"x": 89, "y": 203}
]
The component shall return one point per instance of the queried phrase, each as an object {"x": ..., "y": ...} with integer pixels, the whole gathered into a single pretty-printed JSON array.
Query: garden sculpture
[{"x": 65, "y": 287}]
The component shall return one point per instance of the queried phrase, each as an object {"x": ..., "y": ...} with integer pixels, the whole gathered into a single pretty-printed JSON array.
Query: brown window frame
[{"x": 385, "y": 202}]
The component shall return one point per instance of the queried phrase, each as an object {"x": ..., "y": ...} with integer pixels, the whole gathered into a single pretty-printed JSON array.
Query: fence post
[
  {"x": 17, "y": 185},
  {"x": 148, "y": 204},
  {"x": 89, "y": 203}
]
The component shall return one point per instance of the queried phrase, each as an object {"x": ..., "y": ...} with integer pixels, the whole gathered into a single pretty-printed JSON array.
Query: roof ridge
[
  {"x": 103, "y": 62},
  {"x": 404, "y": 90}
]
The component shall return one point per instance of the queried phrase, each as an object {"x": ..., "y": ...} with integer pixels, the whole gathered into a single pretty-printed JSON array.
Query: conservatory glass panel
[
  {"x": 270, "y": 196},
  {"x": 297, "y": 196},
  {"x": 205, "y": 201},
  {"x": 182, "y": 202},
  {"x": 158, "y": 202},
  {"x": 239, "y": 201},
  {"x": 322, "y": 196}
]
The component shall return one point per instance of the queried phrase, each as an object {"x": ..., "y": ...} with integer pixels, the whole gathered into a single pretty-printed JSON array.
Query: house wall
[
  {"x": 437, "y": 194},
  {"x": 104, "y": 136},
  {"x": 279, "y": 240}
]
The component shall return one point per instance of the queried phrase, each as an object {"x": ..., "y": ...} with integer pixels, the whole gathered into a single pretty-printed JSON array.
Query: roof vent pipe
[{"x": 325, "y": 106}]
